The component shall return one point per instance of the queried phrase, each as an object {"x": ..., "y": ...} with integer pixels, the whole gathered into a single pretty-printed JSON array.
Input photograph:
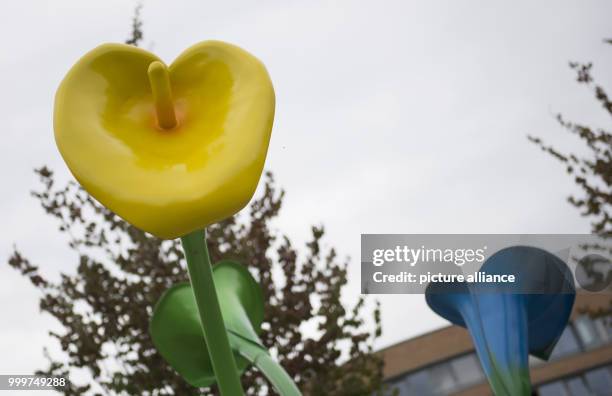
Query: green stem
[
  {"x": 273, "y": 371},
  {"x": 276, "y": 375},
  {"x": 203, "y": 286}
]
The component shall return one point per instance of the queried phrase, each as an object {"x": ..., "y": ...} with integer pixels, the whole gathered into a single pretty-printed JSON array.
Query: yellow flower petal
[{"x": 168, "y": 182}]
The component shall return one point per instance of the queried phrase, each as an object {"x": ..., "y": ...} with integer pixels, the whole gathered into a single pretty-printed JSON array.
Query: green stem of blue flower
[{"x": 213, "y": 327}]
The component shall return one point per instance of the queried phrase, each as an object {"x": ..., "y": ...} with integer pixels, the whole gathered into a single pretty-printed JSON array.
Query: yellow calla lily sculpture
[
  {"x": 173, "y": 149},
  {"x": 169, "y": 149}
]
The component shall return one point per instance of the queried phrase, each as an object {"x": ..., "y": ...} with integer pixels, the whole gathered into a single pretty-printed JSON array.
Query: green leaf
[{"x": 176, "y": 328}]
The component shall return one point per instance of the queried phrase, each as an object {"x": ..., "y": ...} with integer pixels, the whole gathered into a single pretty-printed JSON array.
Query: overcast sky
[{"x": 392, "y": 117}]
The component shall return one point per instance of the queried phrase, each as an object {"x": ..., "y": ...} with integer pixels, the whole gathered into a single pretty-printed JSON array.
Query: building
[{"x": 444, "y": 362}]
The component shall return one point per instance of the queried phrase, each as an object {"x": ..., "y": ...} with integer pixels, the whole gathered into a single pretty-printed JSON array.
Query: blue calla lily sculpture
[{"x": 509, "y": 322}]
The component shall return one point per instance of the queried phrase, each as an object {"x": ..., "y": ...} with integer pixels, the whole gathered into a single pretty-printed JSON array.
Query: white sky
[{"x": 392, "y": 117}]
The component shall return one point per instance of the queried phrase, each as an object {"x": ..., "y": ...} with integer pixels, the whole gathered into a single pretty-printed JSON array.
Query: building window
[
  {"x": 600, "y": 381},
  {"x": 597, "y": 382},
  {"x": 578, "y": 387},
  {"x": 443, "y": 380},
  {"x": 587, "y": 332},
  {"x": 467, "y": 370},
  {"x": 567, "y": 345},
  {"x": 417, "y": 383},
  {"x": 553, "y": 389},
  {"x": 604, "y": 329}
]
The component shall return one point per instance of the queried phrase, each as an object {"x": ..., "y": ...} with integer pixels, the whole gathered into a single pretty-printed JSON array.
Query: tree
[
  {"x": 104, "y": 307},
  {"x": 593, "y": 174}
]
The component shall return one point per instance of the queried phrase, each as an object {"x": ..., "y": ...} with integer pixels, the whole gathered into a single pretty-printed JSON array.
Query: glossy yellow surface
[{"x": 168, "y": 182}]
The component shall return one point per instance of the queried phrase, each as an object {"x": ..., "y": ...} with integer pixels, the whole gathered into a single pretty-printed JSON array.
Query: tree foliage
[
  {"x": 592, "y": 173},
  {"x": 137, "y": 35},
  {"x": 104, "y": 307}
]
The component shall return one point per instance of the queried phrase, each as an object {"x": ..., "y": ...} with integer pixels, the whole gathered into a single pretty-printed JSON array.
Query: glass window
[
  {"x": 467, "y": 370},
  {"x": 553, "y": 389},
  {"x": 585, "y": 328},
  {"x": 577, "y": 387},
  {"x": 600, "y": 381},
  {"x": 567, "y": 345},
  {"x": 442, "y": 379},
  {"x": 603, "y": 329},
  {"x": 401, "y": 384},
  {"x": 418, "y": 383}
]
